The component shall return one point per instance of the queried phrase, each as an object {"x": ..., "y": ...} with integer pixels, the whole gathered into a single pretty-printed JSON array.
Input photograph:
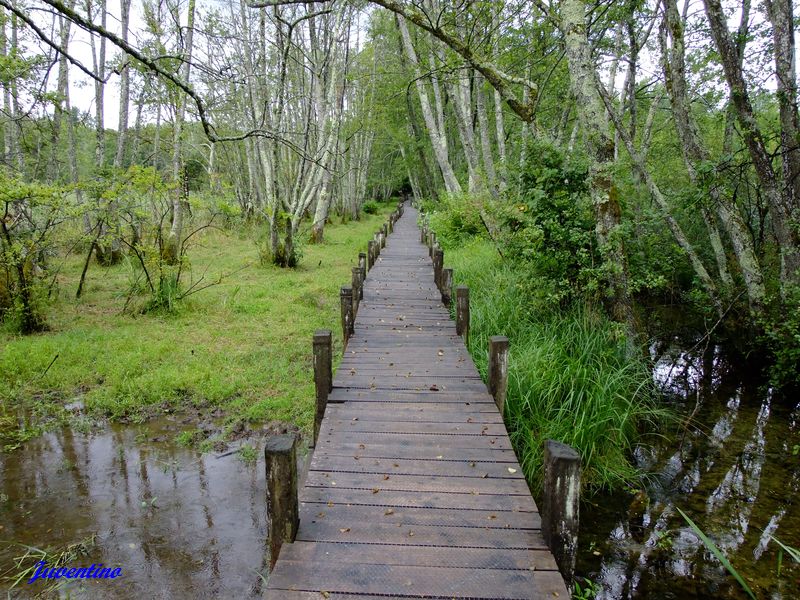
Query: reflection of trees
[{"x": 721, "y": 473}]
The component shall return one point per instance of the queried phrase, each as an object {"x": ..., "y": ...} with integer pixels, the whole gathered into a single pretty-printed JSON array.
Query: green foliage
[
  {"x": 29, "y": 215},
  {"x": 548, "y": 229},
  {"x": 782, "y": 336},
  {"x": 455, "y": 218},
  {"x": 571, "y": 377},
  {"x": 370, "y": 207}
]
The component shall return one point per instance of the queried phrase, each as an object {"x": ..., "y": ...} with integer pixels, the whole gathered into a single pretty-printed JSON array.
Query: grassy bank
[
  {"x": 243, "y": 345},
  {"x": 570, "y": 378}
]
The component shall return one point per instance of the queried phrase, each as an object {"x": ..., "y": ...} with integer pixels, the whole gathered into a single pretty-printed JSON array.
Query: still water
[
  {"x": 733, "y": 467},
  {"x": 178, "y": 524}
]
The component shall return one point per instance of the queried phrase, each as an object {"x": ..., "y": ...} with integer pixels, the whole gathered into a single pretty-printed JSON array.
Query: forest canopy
[{"x": 627, "y": 152}]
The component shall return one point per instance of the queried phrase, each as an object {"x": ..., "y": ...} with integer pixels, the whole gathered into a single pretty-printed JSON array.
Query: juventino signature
[{"x": 93, "y": 572}]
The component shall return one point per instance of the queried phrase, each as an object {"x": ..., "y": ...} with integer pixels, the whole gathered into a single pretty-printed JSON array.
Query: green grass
[
  {"x": 570, "y": 376},
  {"x": 243, "y": 345}
]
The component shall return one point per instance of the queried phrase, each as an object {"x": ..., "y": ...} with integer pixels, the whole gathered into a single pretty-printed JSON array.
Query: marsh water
[
  {"x": 179, "y": 524},
  {"x": 733, "y": 466},
  {"x": 182, "y": 524}
]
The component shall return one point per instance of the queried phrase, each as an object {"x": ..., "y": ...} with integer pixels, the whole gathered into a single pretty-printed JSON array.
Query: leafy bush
[
  {"x": 455, "y": 218},
  {"x": 370, "y": 207},
  {"x": 548, "y": 230}
]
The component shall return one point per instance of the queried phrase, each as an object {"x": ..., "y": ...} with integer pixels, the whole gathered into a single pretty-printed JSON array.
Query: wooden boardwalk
[{"x": 413, "y": 489}]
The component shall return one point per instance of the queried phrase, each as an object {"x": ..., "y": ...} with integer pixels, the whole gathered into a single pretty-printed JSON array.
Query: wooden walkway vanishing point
[{"x": 413, "y": 490}]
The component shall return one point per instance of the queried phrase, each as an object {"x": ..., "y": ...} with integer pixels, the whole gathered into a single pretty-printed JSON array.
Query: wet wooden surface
[{"x": 413, "y": 489}]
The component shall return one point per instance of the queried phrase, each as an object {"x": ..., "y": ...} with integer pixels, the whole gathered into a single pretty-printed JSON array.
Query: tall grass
[{"x": 570, "y": 374}]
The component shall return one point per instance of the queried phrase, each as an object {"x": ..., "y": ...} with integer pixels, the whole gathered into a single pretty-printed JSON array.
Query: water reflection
[
  {"x": 732, "y": 469},
  {"x": 180, "y": 525}
]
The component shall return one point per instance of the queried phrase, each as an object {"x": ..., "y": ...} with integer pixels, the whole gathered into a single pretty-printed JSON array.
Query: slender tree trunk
[
  {"x": 173, "y": 241},
  {"x": 124, "y": 90},
  {"x": 783, "y": 210},
  {"x": 694, "y": 152},
  {"x": 600, "y": 147},
  {"x": 437, "y": 136}
]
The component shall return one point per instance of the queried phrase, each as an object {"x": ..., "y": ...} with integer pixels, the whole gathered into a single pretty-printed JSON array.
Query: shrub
[
  {"x": 370, "y": 207},
  {"x": 455, "y": 218}
]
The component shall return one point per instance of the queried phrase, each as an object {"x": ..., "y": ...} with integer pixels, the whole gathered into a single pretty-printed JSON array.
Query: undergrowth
[{"x": 571, "y": 377}]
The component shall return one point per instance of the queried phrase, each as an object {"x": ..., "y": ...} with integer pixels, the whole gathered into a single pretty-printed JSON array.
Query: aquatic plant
[{"x": 712, "y": 547}]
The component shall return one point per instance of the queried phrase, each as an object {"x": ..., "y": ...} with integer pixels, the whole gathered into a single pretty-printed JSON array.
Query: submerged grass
[
  {"x": 243, "y": 345},
  {"x": 571, "y": 377}
]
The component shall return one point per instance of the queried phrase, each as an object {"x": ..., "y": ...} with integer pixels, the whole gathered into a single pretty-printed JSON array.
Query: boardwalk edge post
[
  {"x": 370, "y": 254},
  {"x": 462, "y": 311},
  {"x": 356, "y": 283},
  {"x": 438, "y": 263},
  {"x": 447, "y": 287},
  {"x": 323, "y": 375},
  {"x": 362, "y": 267},
  {"x": 498, "y": 370},
  {"x": 562, "y": 485},
  {"x": 346, "y": 297},
  {"x": 280, "y": 454}
]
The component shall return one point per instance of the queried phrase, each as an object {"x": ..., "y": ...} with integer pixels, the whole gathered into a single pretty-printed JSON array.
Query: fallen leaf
[
  {"x": 511, "y": 470},
  {"x": 434, "y": 388},
  {"x": 389, "y": 511},
  {"x": 385, "y": 477},
  {"x": 325, "y": 594},
  {"x": 375, "y": 490},
  {"x": 345, "y": 530}
]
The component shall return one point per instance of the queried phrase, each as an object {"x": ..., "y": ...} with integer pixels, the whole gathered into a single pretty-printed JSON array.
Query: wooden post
[
  {"x": 370, "y": 254},
  {"x": 562, "y": 487},
  {"x": 356, "y": 283},
  {"x": 362, "y": 266},
  {"x": 323, "y": 375},
  {"x": 346, "y": 297},
  {"x": 431, "y": 243},
  {"x": 462, "y": 312},
  {"x": 383, "y": 235},
  {"x": 280, "y": 452},
  {"x": 447, "y": 286},
  {"x": 498, "y": 370},
  {"x": 423, "y": 234},
  {"x": 438, "y": 263}
]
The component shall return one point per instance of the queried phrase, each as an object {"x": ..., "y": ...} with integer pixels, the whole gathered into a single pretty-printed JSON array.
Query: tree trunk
[
  {"x": 600, "y": 148},
  {"x": 437, "y": 136},
  {"x": 782, "y": 207},
  {"x": 173, "y": 241}
]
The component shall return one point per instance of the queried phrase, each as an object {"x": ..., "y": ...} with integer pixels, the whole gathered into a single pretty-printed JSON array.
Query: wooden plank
[
  {"x": 429, "y": 517},
  {"x": 400, "y": 466},
  {"x": 394, "y": 498},
  {"x": 389, "y": 450},
  {"x": 395, "y": 427},
  {"x": 328, "y": 437},
  {"x": 378, "y": 553}
]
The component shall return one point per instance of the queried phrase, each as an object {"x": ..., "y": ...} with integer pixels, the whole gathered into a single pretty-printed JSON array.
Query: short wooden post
[
  {"x": 383, "y": 235},
  {"x": 438, "y": 263},
  {"x": 356, "y": 283},
  {"x": 431, "y": 243},
  {"x": 370, "y": 254},
  {"x": 562, "y": 486},
  {"x": 280, "y": 452},
  {"x": 390, "y": 223},
  {"x": 377, "y": 238},
  {"x": 362, "y": 266},
  {"x": 498, "y": 370},
  {"x": 423, "y": 234},
  {"x": 447, "y": 286},
  {"x": 323, "y": 375},
  {"x": 462, "y": 311},
  {"x": 346, "y": 297}
]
